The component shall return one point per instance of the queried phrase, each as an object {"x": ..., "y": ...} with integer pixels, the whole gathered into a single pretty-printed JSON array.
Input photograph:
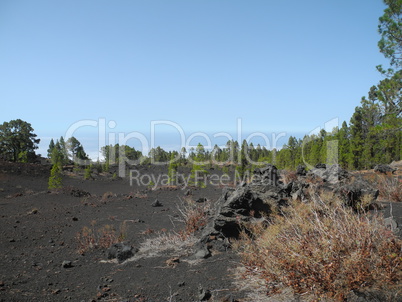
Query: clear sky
[{"x": 279, "y": 66}]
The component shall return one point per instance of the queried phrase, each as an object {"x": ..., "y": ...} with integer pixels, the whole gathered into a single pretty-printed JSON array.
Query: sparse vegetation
[
  {"x": 390, "y": 188},
  {"x": 194, "y": 216},
  {"x": 322, "y": 249},
  {"x": 102, "y": 237},
  {"x": 87, "y": 172},
  {"x": 55, "y": 179}
]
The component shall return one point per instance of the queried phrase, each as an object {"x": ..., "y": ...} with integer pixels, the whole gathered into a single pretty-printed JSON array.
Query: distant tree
[
  {"x": 242, "y": 165},
  {"x": 198, "y": 171},
  {"x": 344, "y": 145},
  {"x": 87, "y": 172},
  {"x": 51, "y": 147},
  {"x": 158, "y": 155},
  {"x": 200, "y": 153},
  {"x": 63, "y": 150},
  {"x": 76, "y": 149},
  {"x": 55, "y": 179},
  {"x": 216, "y": 154},
  {"x": 172, "y": 170},
  {"x": 183, "y": 153},
  {"x": 17, "y": 141}
]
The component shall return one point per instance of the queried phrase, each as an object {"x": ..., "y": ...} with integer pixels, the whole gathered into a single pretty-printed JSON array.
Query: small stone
[
  {"x": 204, "y": 295},
  {"x": 202, "y": 253},
  {"x": 12, "y": 240},
  {"x": 201, "y": 200},
  {"x": 181, "y": 284},
  {"x": 66, "y": 264},
  {"x": 172, "y": 262},
  {"x": 120, "y": 251},
  {"x": 156, "y": 203},
  {"x": 391, "y": 224}
]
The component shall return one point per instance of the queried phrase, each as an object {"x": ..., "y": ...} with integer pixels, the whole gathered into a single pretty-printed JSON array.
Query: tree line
[{"x": 372, "y": 136}]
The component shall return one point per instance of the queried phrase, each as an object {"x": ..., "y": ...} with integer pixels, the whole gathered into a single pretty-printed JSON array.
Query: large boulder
[
  {"x": 120, "y": 251},
  {"x": 384, "y": 169},
  {"x": 266, "y": 176},
  {"x": 237, "y": 207},
  {"x": 332, "y": 174},
  {"x": 358, "y": 192},
  {"x": 301, "y": 170}
]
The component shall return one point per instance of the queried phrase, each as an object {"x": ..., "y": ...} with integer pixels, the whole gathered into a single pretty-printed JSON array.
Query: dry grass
[
  {"x": 323, "y": 250},
  {"x": 163, "y": 242},
  {"x": 194, "y": 216},
  {"x": 102, "y": 237},
  {"x": 288, "y": 176},
  {"x": 390, "y": 188}
]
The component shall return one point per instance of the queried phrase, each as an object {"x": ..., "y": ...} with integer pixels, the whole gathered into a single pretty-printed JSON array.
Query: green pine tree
[
  {"x": 55, "y": 179},
  {"x": 172, "y": 171}
]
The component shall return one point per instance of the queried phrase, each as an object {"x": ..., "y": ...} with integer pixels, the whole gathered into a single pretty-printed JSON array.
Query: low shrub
[
  {"x": 102, "y": 237},
  {"x": 322, "y": 249},
  {"x": 390, "y": 188},
  {"x": 194, "y": 216}
]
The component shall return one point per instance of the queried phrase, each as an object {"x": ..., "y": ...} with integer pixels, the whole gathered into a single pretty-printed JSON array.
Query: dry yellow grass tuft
[{"x": 324, "y": 250}]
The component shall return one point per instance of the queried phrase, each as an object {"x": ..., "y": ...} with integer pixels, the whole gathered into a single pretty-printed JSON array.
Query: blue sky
[{"x": 279, "y": 66}]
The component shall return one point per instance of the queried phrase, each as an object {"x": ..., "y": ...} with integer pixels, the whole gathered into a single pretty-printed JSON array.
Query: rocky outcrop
[
  {"x": 358, "y": 192},
  {"x": 237, "y": 208},
  {"x": 384, "y": 169},
  {"x": 333, "y": 174},
  {"x": 245, "y": 204},
  {"x": 121, "y": 251}
]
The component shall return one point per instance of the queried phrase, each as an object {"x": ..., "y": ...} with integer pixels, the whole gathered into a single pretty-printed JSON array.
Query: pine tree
[
  {"x": 172, "y": 170},
  {"x": 55, "y": 179},
  {"x": 51, "y": 147},
  {"x": 241, "y": 167},
  {"x": 87, "y": 172},
  {"x": 344, "y": 145},
  {"x": 198, "y": 171}
]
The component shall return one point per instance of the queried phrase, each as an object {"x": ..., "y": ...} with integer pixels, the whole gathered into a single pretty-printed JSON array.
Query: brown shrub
[
  {"x": 323, "y": 250},
  {"x": 390, "y": 188},
  {"x": 288, "y": 176},
  {"x": 103, "y": 237},
  {"x": 194, "y": 216}
]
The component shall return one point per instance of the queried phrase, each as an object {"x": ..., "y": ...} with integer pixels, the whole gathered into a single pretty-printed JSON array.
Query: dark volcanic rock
[
  {"x": 320, "y": 166},
  {"x": 201, "y": 200},
  {"x": 204, "y": 294},
  {"x": 264, "y": 195},
  {"x": 297, "y": 190},
  {"x": 384, "y": 169},
  {"x": 354, "y": 193},
  {"x": 66, "y": 264},
  {"x": 120, "y": 251},
  {"x": 332, "y": 174},
  {"x": 301, "y": 170},
  {"x": 266, "y": 176},
  {"x": 156, "y": 203}
]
